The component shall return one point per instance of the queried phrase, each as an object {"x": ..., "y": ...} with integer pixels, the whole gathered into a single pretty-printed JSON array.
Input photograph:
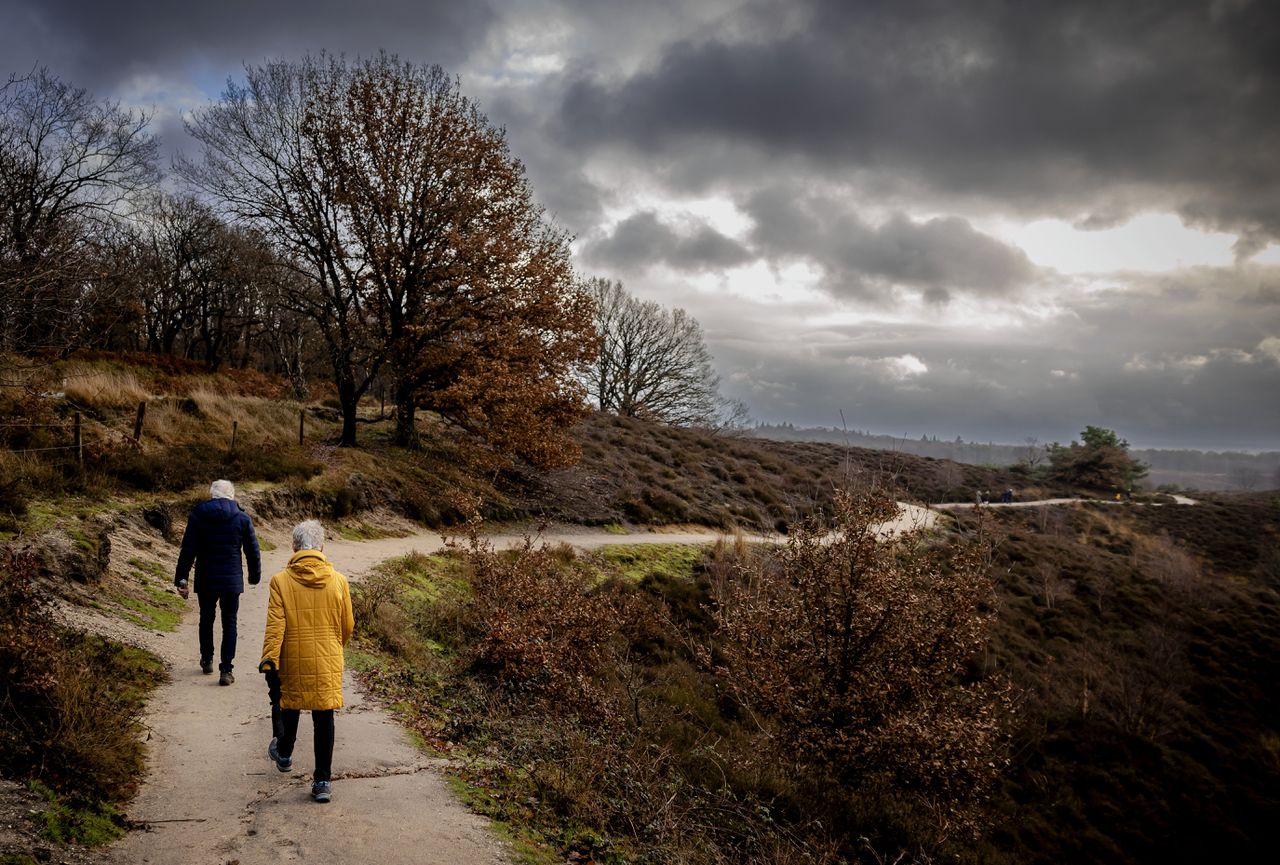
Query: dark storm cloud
[
  {"x": 1053, "y": 107},
  {"x": 641, "y": 240},
  {"x": 864, "y": 139},
  {"x": 939, "y": 255},
  {"x": 96, "y": 45}
]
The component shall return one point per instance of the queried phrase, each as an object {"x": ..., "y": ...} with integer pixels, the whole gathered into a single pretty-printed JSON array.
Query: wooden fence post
[
  {"x": 79, "y": 445},
  {"x": 137, "y": 424},
  {"x": 235, "y": 424},
  {"x": 302, "y": 420}
]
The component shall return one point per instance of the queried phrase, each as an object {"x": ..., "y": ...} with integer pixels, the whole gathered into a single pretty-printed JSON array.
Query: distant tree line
[
  {"x": 357, "y": 220},
  {"x": 1187, "y": 467}
]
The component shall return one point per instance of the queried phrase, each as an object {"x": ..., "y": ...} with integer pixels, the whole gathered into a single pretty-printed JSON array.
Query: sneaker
[
  {"x": 206, "y": 667},
  {"x": 284, "y": 764},
  {"x": 226, "y": 678},
  {"x": 320, "y": 791}
]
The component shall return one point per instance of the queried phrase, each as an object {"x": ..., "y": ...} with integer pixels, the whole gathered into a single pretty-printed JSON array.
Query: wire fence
[
  {"x": 78, "y": 429},
  {"x": 40, "y": 450}
]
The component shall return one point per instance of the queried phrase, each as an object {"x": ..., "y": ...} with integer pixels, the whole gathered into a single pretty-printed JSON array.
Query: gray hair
[
  {"x": 222, "y": 490},
  {"x": 308, "y": 535}
]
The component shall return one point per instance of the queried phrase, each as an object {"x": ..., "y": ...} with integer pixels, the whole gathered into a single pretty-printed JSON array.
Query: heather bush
[
  {"x": 72, "y": 703},
  {"x": 675, "y": 715},
  {"x": 850, "y": 652}
]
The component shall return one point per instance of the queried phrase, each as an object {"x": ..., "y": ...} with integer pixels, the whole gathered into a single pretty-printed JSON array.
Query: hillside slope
[{"x": 1143, "y": 639}]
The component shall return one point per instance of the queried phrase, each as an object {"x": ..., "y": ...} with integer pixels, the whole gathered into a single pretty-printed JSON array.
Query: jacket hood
[
  {"x": 219, "y": 510},
  {"x": 310, "y": 568}
]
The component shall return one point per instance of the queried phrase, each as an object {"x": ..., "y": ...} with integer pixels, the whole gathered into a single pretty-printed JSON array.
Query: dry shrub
[
  {"x": 370, "y": 595},
  {"x": 1162, "y": 559},
  {"x": 21, "y": 475},
  {"x": 537, "y": 627},
  {"x": 72, "y": 706},
  {"x": 738, "y": 716},
  {"x": 849, "y": 653},
  {"x": 384, "y": 615},
  {"x": 1269, "y": 564}
]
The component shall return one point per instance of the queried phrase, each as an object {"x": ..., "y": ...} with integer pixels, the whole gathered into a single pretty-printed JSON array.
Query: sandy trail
[
  {"x": 212, "y": 796},
  {"x": 961, "y": 506}
]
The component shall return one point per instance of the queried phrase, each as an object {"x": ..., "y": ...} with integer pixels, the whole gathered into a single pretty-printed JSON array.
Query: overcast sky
[{"x": 986, "y": 219}]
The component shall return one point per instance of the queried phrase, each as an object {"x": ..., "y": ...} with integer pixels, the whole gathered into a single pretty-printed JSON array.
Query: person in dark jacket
[{"x": 217, "y": 531}]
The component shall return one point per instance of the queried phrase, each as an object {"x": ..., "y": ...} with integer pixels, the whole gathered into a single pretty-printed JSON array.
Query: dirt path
[
  {"x": 212, "y": 796},
  {"x": 960, "y": 506}
]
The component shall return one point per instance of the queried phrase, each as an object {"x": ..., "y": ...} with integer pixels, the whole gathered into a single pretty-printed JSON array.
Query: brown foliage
[
  {"x": 849, "y": 651},
  {"x": 539, "y": 629},
  {"x": 473, "y": 290}
]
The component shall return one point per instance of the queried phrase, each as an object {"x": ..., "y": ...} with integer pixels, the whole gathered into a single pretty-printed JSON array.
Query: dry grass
[
  {"x": 206, "y": 417},
  {"x": 103, "y": 388}
]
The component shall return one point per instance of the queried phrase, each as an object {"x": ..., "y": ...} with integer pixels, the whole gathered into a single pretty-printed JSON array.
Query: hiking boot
[
  {"x": 284, "y": 764},
  {"x": 206, "y": 667},
  {"x": 226, "y": 678},
  {"x": 320, "y": 791}
]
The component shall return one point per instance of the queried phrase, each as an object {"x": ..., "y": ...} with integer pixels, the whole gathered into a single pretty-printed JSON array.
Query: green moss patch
[
  {"x": 637, "y": 561},
  {"x": 64, "y": 821}
]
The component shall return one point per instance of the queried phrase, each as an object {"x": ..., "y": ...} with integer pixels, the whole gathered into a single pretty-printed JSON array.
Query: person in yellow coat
[{"x": 309, "y": 621}]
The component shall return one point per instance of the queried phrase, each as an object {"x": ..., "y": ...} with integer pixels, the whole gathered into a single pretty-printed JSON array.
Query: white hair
[
  {"x": 222, "y": 490},
  {"x": 308, "y": 535}
]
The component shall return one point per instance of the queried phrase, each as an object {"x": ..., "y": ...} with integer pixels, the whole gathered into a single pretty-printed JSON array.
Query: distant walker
[{"x": 217, "y": 532}]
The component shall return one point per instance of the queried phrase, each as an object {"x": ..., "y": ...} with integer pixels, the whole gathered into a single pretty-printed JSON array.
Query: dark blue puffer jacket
[{"x": 217, "y": 530}]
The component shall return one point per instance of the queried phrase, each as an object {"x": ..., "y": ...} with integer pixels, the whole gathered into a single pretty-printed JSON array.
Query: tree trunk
[
  {"x": 350, "y": 401},
  {"x": 406, "y": 411}
]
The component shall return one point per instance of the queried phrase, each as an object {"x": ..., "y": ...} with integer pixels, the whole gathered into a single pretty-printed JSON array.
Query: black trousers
[
  {"x": 284, "y": 726},
  {"x": 209, "y": 604}
]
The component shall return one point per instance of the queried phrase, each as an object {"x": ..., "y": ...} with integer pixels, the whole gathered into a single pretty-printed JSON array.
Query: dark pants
[
  {"x": 209, "y": 604},
  {"x": 284, "y": 726}
]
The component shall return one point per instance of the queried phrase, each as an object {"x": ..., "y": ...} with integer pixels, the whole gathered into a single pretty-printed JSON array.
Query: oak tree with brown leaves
[
  {"x": 473, "y": 289},
  {"x": 424, "y": 247}
]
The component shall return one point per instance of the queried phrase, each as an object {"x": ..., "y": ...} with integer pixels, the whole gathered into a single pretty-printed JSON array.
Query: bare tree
[
  {"x": 1052, "y": 586},
  {"x": 1246, "y": 478},
  {"x": 654, "y": 363},
  {"x": 176, "y": 236},
  {"x": 261, "y": 163},
  {"x": 68, "y": 164},
  {"x": 1032, "y": 454}
]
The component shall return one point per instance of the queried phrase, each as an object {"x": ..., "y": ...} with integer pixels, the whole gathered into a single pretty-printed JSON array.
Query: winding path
[{"x": 212, "y": 796}]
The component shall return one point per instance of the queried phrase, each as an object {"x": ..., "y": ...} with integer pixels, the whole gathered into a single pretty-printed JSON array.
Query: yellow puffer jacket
[{"x": 309, "y": 620}]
